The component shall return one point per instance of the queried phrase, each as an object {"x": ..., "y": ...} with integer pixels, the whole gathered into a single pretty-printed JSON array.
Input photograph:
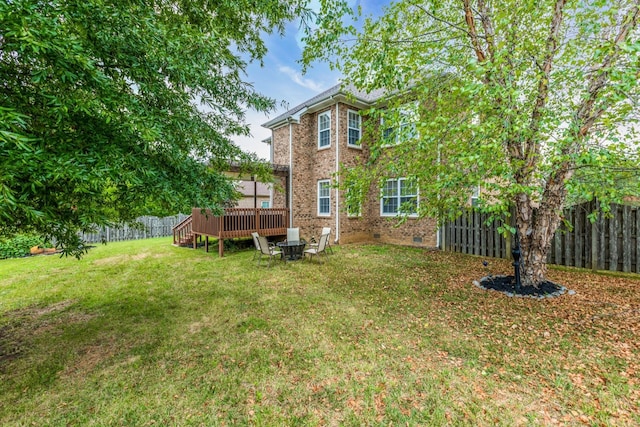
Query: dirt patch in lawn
[{"x": 21, "y": 327}]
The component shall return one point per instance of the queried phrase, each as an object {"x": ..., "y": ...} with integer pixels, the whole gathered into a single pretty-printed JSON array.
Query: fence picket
[
  {"x": 608, "y": 243},
  {"x": 152, "y": 227}
]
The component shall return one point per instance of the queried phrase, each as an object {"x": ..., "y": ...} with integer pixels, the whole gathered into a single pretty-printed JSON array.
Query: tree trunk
[{"x": 536, "y": 227}]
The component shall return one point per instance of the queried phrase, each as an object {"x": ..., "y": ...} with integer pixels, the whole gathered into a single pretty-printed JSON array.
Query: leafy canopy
[
  {"x": 504, "y": 101},
  {"x": 110, "y": 109}
]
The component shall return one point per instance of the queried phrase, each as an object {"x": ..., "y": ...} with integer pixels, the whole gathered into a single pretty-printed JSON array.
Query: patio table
[{"x": 292, "y": 250}]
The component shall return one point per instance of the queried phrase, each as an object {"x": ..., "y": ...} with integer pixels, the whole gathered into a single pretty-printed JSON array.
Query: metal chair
[
  {"x": 268, "y": 249},
  {"x": 293, "y": 234},
  {"x": 256, "y": 243},
  {"x": 321, "y": 249},
  {"x": 329, "y": 249}
]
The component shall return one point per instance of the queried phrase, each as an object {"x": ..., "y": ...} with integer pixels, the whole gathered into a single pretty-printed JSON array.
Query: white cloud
[{"x": 302, "y": 81}]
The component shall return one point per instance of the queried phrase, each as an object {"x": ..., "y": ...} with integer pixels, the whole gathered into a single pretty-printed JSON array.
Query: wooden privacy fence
[
  {"x": 610, "y": 243},
  {"x": 152, "y": 227}
]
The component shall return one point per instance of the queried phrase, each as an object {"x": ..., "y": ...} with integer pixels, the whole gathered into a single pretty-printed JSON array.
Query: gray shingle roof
[{"x": 364, "y": 97}]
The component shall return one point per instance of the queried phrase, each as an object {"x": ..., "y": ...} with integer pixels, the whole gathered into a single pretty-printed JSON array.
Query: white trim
[
  {"x": 351, "y": 214},
  {"x": 359, "y": 145},
  {"x": 271, "y": 189},
  {"x": 290, "y": 174},
  {"x": 320, "y": 116},
  {"x": 475, "y": 195},
  {"x": 398, "y": 196},
  {"x": 337, "y": 172},
  {"x": 407, "y": 117},
  {"x": 320, "y": 182}
]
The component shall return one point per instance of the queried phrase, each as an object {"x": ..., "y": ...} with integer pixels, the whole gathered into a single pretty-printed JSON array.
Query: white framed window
[
  {"x": 264, "y": 204},
  {"x": 354, "y": 128},
  {"x": 324, "y": 197},
  {"x": 399, "y": 196},
  {"x": 475, "y": 196},
  {"x": 354, "y": 207},
  {"x": 324, "y": 129},
  {"x": 400, "y": 124}
]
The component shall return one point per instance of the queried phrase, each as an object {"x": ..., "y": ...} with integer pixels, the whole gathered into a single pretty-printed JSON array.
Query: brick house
[
  {"x": 314, "y": 139},
  {"x": 254, "y": 194}
]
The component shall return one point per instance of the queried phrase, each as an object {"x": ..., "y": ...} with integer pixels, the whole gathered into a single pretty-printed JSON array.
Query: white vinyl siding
[
  {"x": 324, "y": 129},
  {"x": 324, "y": 197}
]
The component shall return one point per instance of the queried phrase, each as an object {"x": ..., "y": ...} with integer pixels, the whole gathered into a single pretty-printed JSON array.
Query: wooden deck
[{"x": 236, "y": 222}]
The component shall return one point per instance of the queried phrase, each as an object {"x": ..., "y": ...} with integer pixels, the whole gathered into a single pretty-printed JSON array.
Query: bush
[{"x": 19, "y": 245}]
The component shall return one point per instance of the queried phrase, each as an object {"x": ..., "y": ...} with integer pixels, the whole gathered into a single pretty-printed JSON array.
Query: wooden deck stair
[{"x": 183, "y": 233}]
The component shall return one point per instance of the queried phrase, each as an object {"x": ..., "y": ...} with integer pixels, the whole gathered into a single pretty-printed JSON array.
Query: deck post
[
  {"x": 220, "y": 246},
  {"x": 206, "y": 243},
  {"x": 195, "y": 241}
]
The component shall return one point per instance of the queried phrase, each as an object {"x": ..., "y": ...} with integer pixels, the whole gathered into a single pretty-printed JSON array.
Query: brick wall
[{"x": 311, "y": 164}]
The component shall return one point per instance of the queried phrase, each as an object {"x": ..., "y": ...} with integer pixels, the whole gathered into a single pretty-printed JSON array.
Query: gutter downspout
[
  {"x": 271, "y": 158},
  {"x": 290, "y": 172},
  {"x": 337, "y": 170}
]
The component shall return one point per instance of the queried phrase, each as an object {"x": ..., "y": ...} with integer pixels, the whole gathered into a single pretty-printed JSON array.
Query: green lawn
[{"x": 144, "y": 333}]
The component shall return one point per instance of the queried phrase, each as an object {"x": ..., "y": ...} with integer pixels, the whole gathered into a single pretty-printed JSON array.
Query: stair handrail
[
  {"x": 181, "y": 223},
  {"x": 183, "y": 226}
]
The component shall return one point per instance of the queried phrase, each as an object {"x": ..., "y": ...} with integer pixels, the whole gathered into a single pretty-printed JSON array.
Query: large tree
[
  {"x": 535, "y": 101},
  {"x": 110, "y": 109}
]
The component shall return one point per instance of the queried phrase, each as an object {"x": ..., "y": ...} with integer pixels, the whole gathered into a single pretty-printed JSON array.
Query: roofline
[{"x": 306, "y": 107}]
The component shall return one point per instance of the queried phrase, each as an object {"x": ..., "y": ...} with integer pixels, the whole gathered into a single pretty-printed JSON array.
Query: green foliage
[
  {"x": 19, "y": 245},
  {"x": 110, "y": 109},
  {"x": 491, "y": 114},
  {"x": 157, "y": 335},
  {"x": 536, "y": 103}
]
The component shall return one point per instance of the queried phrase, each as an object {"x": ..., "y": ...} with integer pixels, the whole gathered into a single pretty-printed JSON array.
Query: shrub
[{"x": 19, "y": 245}]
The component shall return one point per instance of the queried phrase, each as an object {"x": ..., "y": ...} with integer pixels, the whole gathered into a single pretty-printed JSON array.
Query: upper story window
[
  {"x": 324, "y": 197},
  {"x": 399, "y": 196},
  {"x": 324, "y": 129},
  {"x": 354, "y": 130},
  {"x": 399, "y": 125}
]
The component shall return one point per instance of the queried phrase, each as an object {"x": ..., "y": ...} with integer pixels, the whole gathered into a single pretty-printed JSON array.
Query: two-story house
[{"x": 315, "y": 139}]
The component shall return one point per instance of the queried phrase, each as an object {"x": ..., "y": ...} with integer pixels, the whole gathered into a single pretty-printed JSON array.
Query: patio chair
[
  {"x": 319, "y": 250},
  {"x": 256, "y": 243},
  {"x": 314, "y": 244},
  {"x": 293, "y": 234},
  {"x": 268, "y": 249}
]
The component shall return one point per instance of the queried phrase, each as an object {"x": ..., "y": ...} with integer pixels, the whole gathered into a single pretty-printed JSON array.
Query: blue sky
[{"x": 281, "y": 78}]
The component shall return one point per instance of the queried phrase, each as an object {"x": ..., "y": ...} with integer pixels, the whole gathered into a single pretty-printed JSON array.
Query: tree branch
[
  {"x": 531, "y": 144},
  {"x": 473, "y": 32},
  {"x": 586, "y": 116}
]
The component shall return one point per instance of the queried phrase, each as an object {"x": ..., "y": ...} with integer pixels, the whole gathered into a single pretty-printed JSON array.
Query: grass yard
[{"x": 143, "y": 333}]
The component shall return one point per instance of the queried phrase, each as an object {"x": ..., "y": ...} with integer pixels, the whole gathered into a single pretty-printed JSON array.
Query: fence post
[{"x": 594, "y": 246}]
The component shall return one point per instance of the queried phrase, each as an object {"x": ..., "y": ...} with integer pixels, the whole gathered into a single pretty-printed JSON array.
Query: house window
[
  {"x": 324, "y": 129},
  {"x": 475, "y": 196},
  {"x": 400, "y": 124},
  {"x": 399, "y": 196},
  {"x": 264, "y": 204},
  {"x": 324, "y": 197},
  {"x": 354, "y": 207},
  {"x": 354, "y": 128}
]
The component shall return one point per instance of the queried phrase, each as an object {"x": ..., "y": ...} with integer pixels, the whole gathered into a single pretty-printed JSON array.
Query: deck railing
[
  {"x": 182, "y": 230},
  {"x": 241, "y": 222}
]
